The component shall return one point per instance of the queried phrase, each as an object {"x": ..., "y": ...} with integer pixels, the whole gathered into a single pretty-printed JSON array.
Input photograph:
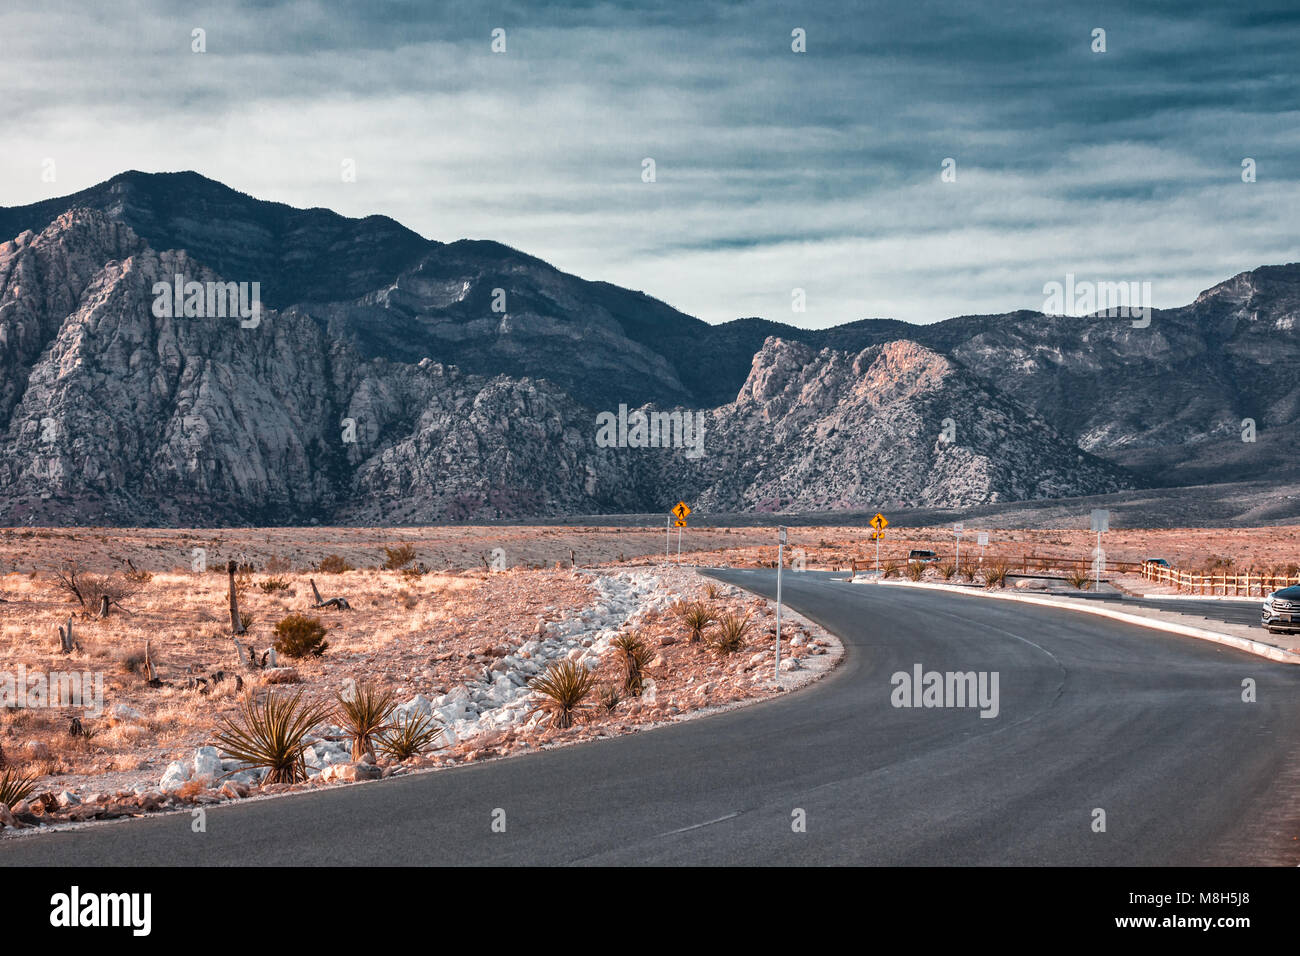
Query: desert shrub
[
  {"x": 398, "y": 558},
  {"x": 696, "y": 616},
  {"x": 409, "y": 737},
  {"x": 968, "y": 572},
  {"x": 731, "y": 633},
  {"x": 1079, "y": 579},
  {"x": 363, "y": 714},
  {"x": 915, "y": 570},
  {"x": 15, "y": 787},
  {"x": 271, "y": 585},
  {"x": 995, "y": 575},
  {"x": 299, "y": 636},
  {"x": 889, "y": 569},
  {"x": 89, "y": 589},
  {"x": 270, "y": 734},
  {"x": 634, "y": 655},
  {"x": 277, "y": 565},
  {"x": 712, "y": 591},
  {"x": 131, "y": 662},
  {"x": 333, "y": 564},
  {"x": 946, "y": 571},
  {"x": 610, "y": 698},
  {"x": 562, "y": 689}
]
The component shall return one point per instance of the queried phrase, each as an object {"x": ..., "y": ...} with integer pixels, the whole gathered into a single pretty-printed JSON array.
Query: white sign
[
  {"x": 782, "y": 538},
  {"x": 959, "y": 527},
  {"x": 983, "y": 538},
  {"x": 1100, "y": 520}
]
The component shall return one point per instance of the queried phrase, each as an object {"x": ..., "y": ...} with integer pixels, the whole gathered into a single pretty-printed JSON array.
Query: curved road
[{"x": 1093, "y": 713}]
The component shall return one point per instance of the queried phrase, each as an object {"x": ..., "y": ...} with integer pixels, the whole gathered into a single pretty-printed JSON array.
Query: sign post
[
  {"x": 958, "y": 528},
  {"x": 1100, "y": 523},
  {"x": 780, "y": 560},
  {"x": 983, "y": 541},
  {"x": 880, "y": 523},
  {"x": 680, "y": 511},
  {"x": 668, "y": 540}
]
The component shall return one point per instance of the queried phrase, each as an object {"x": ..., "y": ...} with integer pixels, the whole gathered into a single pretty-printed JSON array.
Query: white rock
[
  {"x": 791, "y": 664},
  {"x": 125, "y": 713},
  {"x": 649, "y": 691},
  {"x": 419, "y": 705},
  {"x": 207, "y": 763},
  {"x": 68, "y": 799},
  {"x": 174, "y": 777}
]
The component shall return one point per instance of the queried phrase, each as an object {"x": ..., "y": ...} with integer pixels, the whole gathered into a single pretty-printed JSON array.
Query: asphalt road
[
  {"x": 1093, "y": 714},
  {"x": 1229, "y": 612}
]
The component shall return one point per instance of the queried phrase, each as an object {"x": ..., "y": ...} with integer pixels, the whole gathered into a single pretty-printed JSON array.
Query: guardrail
[{"x": 1250, "y": 584}]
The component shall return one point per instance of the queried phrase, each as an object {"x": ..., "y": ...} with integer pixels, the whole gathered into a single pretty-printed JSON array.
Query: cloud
[{"x": 775, "y": 170}]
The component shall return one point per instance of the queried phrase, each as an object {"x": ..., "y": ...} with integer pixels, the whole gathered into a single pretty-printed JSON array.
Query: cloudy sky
[{"x": 775, "y": 170}]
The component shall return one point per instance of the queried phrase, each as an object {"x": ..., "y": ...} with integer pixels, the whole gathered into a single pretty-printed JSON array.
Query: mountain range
[{"x": 390, "y": 378}]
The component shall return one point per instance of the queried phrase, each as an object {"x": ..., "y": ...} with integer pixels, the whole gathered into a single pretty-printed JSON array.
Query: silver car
[{"x": 1281, "y": 611}]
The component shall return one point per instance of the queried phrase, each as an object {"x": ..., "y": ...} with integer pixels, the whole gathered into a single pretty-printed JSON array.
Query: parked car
[
  {"x": 924, "y": 557},
  {"x": 1161, "y": 562},
  {"x": 1281, "y": 611}
]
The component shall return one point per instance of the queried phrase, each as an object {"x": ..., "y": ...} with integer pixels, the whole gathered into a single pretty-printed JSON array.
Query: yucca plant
[
  {"x": 1079, "y": 579},
  {"x": 562, "y": 689},
  {"x": 915, "y": 570},
  {"x": 696, "y": 616},
  {"x": 610, "y": 698},
  {"x": 946, "y": 571},
  {"x": 968, "y": 572},
  {"x": 409, "y": 737},
  {"x": 731, "y": 634},
  {"x": 995, "y": 575},
  {"x": 634, "y": 654},
  {"x": 15, "y": 787},
  {"x": 889, "y": 569},
  {"x": 270, "y": 734},
  {"x": 364, "y": 713},
  {"x": 712, "y": 591}
]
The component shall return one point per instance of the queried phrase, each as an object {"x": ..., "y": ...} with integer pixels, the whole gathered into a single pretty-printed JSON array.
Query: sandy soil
[
  {"x": 427, "y": 634},
  {"x": 467, "y": 547}
]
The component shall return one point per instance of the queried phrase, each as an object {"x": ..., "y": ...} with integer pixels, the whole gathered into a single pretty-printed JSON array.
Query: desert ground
[{"x": 454, "y": 622}]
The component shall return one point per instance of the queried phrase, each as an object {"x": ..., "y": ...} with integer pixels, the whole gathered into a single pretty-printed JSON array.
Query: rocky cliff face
[
  {"x": 885, "y": 427},
  {"x": 380, "y": 385}
]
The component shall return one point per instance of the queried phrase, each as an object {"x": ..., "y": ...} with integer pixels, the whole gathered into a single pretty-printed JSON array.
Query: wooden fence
[
  {"x": 1249, "y": 584},
  {"x": 1018, "y": 563}
]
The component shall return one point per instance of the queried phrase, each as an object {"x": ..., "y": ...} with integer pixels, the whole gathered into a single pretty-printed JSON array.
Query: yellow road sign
[
  {"x": 879, "y": 522},
  {"x": 680, "y": 523},
  {"x": 877, "y": 535},
  {"x": 682, "y": 510}
]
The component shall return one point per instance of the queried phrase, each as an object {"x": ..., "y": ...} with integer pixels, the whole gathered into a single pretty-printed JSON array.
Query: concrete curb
[{"x": 1258, "y": 648}]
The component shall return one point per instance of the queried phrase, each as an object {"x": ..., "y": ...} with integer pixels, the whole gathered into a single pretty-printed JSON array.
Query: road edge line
[{"x": 1258, "y": 648}]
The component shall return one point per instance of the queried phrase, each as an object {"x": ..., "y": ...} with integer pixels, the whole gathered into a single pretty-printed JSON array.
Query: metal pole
[
  {"x": 679, "y": 544},
  {"x": 957, "y": 561},
  {"x": 780, "y": 561},
  {"x": 668, "y": 539},
  {"x": 1098, "y": 559},
  {"x": 877, "y": 555}
]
